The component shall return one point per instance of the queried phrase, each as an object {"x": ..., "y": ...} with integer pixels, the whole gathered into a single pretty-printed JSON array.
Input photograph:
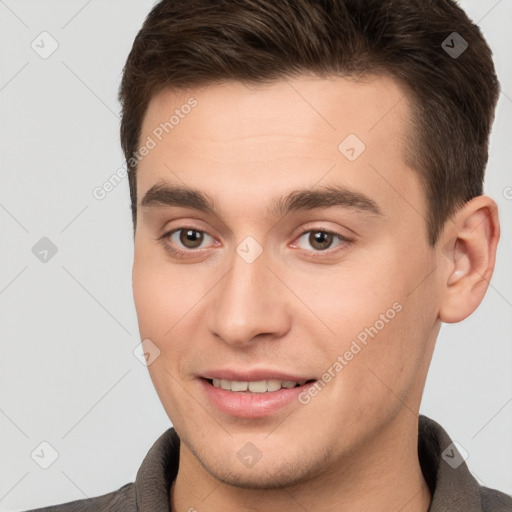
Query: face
[{"x": 284, "y": 280}]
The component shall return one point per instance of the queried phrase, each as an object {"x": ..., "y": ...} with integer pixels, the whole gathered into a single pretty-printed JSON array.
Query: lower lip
[{"x": 251, "y": 405}]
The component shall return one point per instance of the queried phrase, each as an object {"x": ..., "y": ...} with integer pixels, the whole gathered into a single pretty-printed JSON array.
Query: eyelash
[
  {"x": 344, "y": 241},
  {"x": 176, "y": 252},
  {"x": 193, "y": 252}
]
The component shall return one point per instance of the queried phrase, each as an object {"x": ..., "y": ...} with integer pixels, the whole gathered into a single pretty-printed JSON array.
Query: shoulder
[
  {"x": 451, "y": 483},
  {"x": 121, "y": 500},
  {"x": 149, "y": 492},
  {"x": 495, "y": 501}
]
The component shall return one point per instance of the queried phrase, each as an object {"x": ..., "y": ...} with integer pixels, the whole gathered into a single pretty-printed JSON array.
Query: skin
[{"x": 354, "y": 445}]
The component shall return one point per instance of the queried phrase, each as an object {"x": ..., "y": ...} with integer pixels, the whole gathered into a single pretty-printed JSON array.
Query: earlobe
[{"x": 468, "y": 257}]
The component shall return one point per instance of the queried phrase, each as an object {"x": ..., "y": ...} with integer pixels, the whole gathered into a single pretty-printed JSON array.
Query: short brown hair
[{"x": 190, "y": 43}]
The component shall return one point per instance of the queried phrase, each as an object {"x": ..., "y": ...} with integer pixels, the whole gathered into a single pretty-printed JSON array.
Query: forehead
[
  {"x": 312, "y": 106},
  {"x": 253, "y": 139}
]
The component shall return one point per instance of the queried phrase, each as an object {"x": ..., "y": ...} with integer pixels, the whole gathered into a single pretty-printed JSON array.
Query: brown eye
[
  {"x": 320, "y": 239},
  {"x": 191, "y": 238}
]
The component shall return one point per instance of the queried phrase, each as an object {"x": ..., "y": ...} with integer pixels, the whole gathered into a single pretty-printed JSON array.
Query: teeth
[
  {"x": 239, "y": 386},
  {"x": 225, "y": 384},
  {"x": 260, "y": 386},
  {"x": 273, "y": 385}
]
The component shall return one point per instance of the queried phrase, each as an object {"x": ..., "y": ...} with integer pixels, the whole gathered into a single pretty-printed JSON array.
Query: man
[{"x": 306, "y": 183}]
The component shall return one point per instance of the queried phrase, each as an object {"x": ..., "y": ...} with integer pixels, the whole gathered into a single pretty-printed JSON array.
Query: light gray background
[{"x": 68, "y": 375}]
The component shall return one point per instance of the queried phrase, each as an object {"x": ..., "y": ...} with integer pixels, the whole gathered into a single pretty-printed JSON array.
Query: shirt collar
[
  {"x": 451, "y": 484},
  {"x": 452, "y": 488}
]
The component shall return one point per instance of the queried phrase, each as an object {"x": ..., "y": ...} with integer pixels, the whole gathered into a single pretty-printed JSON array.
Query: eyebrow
[{"x": 163, "y": 194}]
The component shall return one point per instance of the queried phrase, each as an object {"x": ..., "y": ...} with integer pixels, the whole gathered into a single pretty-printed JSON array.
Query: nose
[{"x": 249, "y": 303}]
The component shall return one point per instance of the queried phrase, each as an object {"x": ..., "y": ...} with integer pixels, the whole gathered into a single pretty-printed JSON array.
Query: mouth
[
  {"x": 257, "y": 386},
  {"x": 251, "y": 399}
]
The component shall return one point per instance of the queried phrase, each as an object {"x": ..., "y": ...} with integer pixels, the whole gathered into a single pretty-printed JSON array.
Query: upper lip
[{"x": 253, "y": 375}]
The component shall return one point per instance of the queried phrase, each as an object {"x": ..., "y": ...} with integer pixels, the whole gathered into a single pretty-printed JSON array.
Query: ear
[{"x": 468, "y": 252}]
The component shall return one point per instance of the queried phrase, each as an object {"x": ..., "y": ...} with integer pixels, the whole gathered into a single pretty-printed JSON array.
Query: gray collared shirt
[{"x": 453, "y": 487}]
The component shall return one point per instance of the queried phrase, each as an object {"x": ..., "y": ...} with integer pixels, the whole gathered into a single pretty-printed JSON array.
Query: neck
[{"x": 382, "y": 476}]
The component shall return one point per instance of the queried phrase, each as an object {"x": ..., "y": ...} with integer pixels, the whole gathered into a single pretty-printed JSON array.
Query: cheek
[
  {"x": 160, "y": 296},
  {"x": 159, "y": 304},
  {"x": 350, "y": 300},
  {"x": 148, "y": 302},
  {"x": 166, "y": 300},
  {"x": 374, "y": 319}
]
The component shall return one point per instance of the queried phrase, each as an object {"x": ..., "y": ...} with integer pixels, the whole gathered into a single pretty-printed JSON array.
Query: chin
[
  {"x": 265, "y": 478},
  {"x": 277, "y": 472}
]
